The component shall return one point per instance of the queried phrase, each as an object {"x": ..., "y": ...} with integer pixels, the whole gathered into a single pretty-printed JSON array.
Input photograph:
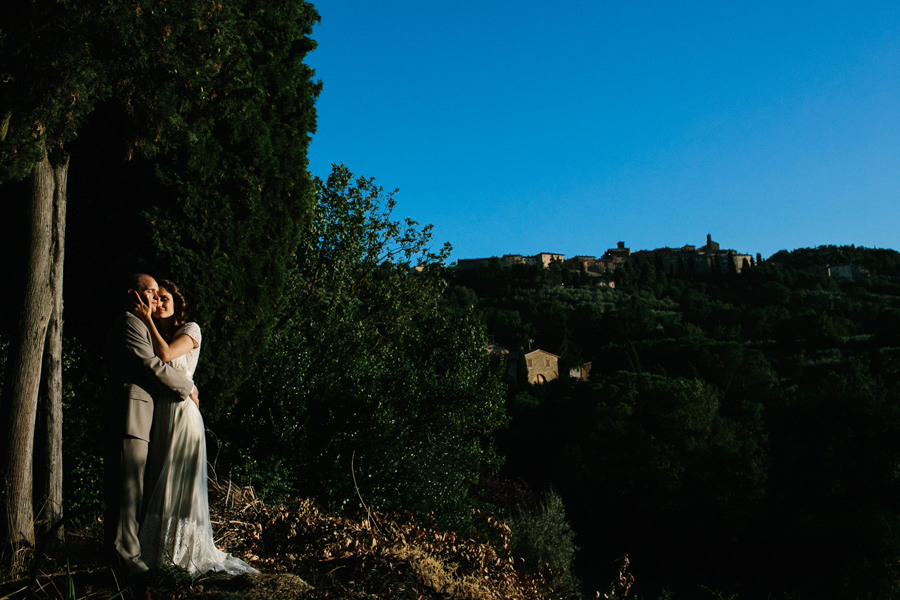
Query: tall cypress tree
[{"x": 217, "y": 98}]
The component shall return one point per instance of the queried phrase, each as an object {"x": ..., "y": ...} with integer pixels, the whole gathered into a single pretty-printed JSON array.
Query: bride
[{"x": 176, "y": 529}]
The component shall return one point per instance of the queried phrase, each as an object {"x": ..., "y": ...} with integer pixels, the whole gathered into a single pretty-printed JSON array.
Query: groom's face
[{"x": 149, "y": 291}]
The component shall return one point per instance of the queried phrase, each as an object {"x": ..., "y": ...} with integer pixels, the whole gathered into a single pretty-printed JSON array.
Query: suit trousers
[{"x": 124, "y": 491}]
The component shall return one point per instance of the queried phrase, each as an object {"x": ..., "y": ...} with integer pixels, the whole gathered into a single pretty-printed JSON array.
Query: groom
[{"x": 137, "y": 376}]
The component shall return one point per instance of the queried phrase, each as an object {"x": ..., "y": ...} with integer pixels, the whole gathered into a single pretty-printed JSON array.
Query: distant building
[
  {"x": 845, "y": 271},
  {"x": 495, "y": 349},
  {"x": 542, "y": 366},
  {"x": 673, "y": 260},
  {"x": 472, "y": 264},
  {"x": 588, "y": 264},
  {"x": 508, "y": 260},
  {"x": 545, "y": 259},
  {"x": 582, "y": 372},
  {"x": 723, "y": 261},
  {"x": 613, "y": 258},
  {"x": 498, "y": 353},
  {"x": 706, "y": 260}
]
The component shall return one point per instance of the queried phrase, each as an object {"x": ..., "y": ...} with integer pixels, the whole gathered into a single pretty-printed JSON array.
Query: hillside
[
  {"x": 726, "y": 418},
  {"x": 304, "y": 552}
]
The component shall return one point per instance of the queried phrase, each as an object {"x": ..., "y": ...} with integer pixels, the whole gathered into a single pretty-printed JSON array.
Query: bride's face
[{"x": 166, "y": 307}]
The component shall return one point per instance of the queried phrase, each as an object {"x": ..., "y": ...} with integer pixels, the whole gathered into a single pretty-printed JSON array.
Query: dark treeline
[
  {"x": 737, "y": 432},
  {"x": 169, "y": 139}
]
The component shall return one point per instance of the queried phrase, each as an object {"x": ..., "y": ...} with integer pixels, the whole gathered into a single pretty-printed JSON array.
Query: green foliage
[
  {"x": 882, "y": 261},
  {"x": 725, "y": 415},
  {"x": 543, "y": 538},
  {"x": 83, "y": 398},
  {"x": 232, "y": 166},
  {"x": 368, "y": 385},
  {"x": 647, "y": 464},
  {"x": 83, "y": 479},
  {"x": 671, "y": 438},
  {"x": 52, "y": 73},
  {"x": 188, "y": 124},
  {"x": 888, "y": 333},
  {"x": 836, "y": 458}
]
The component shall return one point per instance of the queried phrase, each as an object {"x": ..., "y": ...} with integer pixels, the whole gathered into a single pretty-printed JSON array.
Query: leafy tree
[
  {"x": 47, "y": 87},
  {"x": 882, "y": 261},
  {"x": 222, "y": 198},
  {"x": 664, "y": 470},
  {"x": 888, "y": 333},
  {"x": 218, "y": 96},
  {"x": 550, "y": 320},
  {"x": 836, "y": 457},
  {"x": 369, "y": 389}
]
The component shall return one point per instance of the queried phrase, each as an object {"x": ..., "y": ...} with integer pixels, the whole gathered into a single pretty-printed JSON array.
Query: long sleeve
[{"x": 142, "y": 360}]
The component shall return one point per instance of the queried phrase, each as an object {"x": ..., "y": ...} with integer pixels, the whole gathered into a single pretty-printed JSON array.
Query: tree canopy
[
  {"x": 725, "y": 415},
  {"x": 369, "y": 389},
  {"x": 188, "y": 125},
  {"x": 198, "y": 173}
]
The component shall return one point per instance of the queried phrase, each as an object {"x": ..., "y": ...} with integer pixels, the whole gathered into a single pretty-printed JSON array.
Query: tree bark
[
  {"x": 23, "y": 372},
  {"x": 49, "y": 471}
]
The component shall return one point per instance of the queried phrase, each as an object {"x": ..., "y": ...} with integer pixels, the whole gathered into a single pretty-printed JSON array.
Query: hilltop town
[
  {"x": 543, "y": 366},
  {"x": 707, "y": 259}
]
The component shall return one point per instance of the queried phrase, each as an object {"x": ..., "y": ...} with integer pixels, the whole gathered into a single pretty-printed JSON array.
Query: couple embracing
[{"x": 157, "y": 507}]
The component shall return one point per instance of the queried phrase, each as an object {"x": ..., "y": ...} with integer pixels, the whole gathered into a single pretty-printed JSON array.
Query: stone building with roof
[
  {"x": 708, "y": 259},
  {"x": 542, "y": 366}
]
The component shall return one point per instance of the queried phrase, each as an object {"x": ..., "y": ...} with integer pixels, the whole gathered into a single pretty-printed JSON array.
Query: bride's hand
[{"x": 141, "y": 309}]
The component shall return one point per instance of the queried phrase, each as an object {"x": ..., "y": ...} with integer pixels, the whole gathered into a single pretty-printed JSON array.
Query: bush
[
  {"x": 369, "y": 388},
  {"x": 543, "y": 538},
  {"x": 84, "y": 401}
]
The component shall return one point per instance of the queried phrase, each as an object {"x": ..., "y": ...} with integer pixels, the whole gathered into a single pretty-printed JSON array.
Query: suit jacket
[{"x": 136, "y": 376}]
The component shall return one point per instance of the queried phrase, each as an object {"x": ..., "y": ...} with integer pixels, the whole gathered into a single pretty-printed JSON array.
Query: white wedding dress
[{"x": 176, "y": 528}]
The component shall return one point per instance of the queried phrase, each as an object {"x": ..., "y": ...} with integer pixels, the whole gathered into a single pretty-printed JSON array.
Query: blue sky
[{"x": 525, "y": 127}]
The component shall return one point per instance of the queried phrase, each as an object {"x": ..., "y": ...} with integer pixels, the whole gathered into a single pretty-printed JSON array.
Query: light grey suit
[{"x": 137, "y": 375}]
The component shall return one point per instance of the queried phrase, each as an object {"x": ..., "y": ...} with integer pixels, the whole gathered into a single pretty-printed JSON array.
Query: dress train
[{"x": 176, "y": 529}]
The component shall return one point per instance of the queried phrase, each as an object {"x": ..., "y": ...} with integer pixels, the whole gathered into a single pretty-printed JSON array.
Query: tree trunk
[
  {"x": 49, "y": 471},
  {"x": 23, "y": 372}
]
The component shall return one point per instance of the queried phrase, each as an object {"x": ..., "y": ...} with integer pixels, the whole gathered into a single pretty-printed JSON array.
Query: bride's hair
[{"x": 177, "y": 298}]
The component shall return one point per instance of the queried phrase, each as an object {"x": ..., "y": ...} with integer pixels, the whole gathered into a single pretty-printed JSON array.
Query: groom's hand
[
  {"x": 195, "y": 396},
  {"x": 139, "y": 307}
]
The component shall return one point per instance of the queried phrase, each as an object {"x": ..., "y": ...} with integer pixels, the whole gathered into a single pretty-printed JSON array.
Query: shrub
[{"x": 543, "y": 538}]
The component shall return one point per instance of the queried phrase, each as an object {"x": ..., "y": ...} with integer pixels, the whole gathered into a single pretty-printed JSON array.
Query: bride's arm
[{"x": 166, "y": 352}]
